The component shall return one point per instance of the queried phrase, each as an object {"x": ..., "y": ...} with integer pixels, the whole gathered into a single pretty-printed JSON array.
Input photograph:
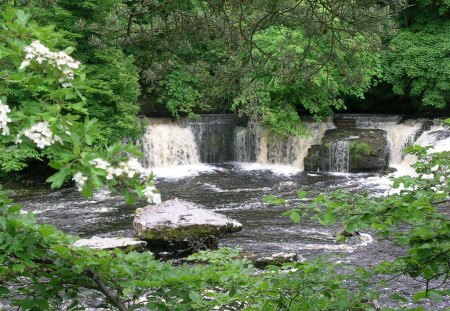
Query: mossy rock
[
  {"x": 368, "y": 150},
  {"x": 176, "y": 221}
]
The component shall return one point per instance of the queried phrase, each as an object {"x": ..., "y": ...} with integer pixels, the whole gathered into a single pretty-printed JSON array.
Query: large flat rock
[{"x": 176, "y": 220}]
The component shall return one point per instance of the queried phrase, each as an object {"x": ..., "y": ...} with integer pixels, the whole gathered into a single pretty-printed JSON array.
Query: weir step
[{"x": 340, "y": 123}]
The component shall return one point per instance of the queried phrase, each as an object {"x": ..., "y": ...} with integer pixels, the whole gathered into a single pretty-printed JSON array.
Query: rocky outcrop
[
  {"x": 181, "y": 224},
  {"x": 97, "y": 242},
  {"x": 361, "y": 150}
]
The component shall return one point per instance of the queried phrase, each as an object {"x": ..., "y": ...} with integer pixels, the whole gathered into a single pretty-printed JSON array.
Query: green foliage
[
  {"x": 414, "y": 217},
  {"x": 181, "y": 93},
  {"x": 290, "y": 75},
  {"x": 358, "y": 149},
  {"x": 39, "y": 269},
  {"x": 417, "y": 62},
  {"x": 89, "y": 26},
  {"x": 38, "y": 95}
]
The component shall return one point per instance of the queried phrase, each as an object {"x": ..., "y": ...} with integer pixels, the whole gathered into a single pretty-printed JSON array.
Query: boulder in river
[
  {"x": 97, "y": 242},
  {"x": 349, "y": 150},
  {"x": 181, "y": 224}
]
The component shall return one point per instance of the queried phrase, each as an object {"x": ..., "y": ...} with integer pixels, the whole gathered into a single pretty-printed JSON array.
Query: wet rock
[
  {"x": 177, "y": 224},
  {"x": 97, "y": 242},
  {"x": 367, "y": 150},
  {"x": 277, "y": 259}
]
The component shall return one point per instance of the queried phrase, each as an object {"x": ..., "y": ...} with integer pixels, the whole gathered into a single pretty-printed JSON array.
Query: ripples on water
[
  {"x": 236, "y": 190},
  {"x": 232, "y": 189}
]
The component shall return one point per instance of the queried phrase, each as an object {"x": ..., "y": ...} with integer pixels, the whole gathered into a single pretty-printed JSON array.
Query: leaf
[
  {"x": 295, "y": 216},
  {"x": 435, "y": 296},
  {"x": 419, "y": 295},
  {"x": 18, "y": 267},
  {"x": 14, "y": 209},
  {"x": 272, "y": 200},
  {"x": 58, "y": 179},
  {"x": 129, "y": 197},
  {"x": 303, "y": 194},
  {"x": 69, "y": 50},
  {"x": 4, "y": 291},
  {"x": 398, "y": 297},
  {"x": 195, "y": 297}
]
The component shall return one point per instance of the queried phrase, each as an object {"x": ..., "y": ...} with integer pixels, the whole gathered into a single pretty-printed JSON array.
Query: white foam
[
  {"x": 220, "y": 190},
  {"x": 278, "y": 169},
  {"x": 183, "y": 171}
]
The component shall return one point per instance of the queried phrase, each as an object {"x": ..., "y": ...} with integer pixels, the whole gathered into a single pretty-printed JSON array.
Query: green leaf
[
  {"x": 129, "y": 197},
  {"x": 398, "y": 297},
  {"x": 303, "y": 194},
  {"x": 18, "y": 267},
  {"x": 419, "y": 295},
  {"x": 295, "y": 216},
  {"x": 195, "y": 297},
  {"x": 58, "y": 179},
  {"x": 272, "y": 200},
  {"x": 4, "y": 291}
]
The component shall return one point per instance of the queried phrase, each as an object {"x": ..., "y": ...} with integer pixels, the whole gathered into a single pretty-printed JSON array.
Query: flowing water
[{"x": 263, "y": 164}]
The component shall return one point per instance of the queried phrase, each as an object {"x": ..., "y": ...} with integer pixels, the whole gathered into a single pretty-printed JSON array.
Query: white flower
[
  {"x": 40, "y": 134},
  {"x": 36, "y": 51},
  {"x": 100, "y": 163},
  {"x": 18, "y": 139},
  {"x": 24, "y": 64},
  {"x": 80, "y": 180},
  {"x": 132, "y": 168},
  {"x": 4, "y": 119},
  {"x": 151, "y": 195}
]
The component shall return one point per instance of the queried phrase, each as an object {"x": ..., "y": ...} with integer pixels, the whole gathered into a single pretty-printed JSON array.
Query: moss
[
  {"x": 359, "y": 148},
  {"x": 179, "y": 233}
]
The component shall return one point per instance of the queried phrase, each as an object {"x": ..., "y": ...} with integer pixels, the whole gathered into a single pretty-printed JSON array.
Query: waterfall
[
  {"x": 399, "y": 135},
  {"x": 244, "y": 144},
  {"x": 264, "y": 147},
  {"x": 217, "y": 139},
  {"x": 214, "y": 136},
  {"x": 437, "y": 136},
  {"x": 166, "y": 145},
  {"x": 339, "y": 156}
]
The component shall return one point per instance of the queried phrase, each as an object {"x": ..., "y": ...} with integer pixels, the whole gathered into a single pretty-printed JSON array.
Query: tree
[
  {"x": 89, "y": 27},
  {"x": 417, "y": 63}
]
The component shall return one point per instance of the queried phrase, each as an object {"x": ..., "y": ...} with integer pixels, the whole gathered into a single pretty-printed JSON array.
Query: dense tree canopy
[
  {"x": 263, "y": 59},
  {"x": 417, "y": 62}
]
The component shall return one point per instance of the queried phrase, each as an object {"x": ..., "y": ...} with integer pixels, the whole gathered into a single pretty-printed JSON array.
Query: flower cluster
[
  {"x": 80, "y": 180},
  {"x": 151, "y": 195},
  {"x": 4, "y": 119},
  {"x": 129, "y": 169},
  {"x": 38, "y": 52},
  {"x": 41, "y": 134}
]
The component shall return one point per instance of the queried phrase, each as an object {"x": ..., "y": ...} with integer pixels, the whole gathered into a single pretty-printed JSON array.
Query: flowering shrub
[
  {"x": 41, "y": 54},
  {"x": 46, "y": 109}
]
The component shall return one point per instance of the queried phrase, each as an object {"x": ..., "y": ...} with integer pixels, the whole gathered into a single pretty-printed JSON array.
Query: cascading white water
[
  {"x": 268, "y": 148},
  {"x": 438, "y": 136},
  {"x": 166, "y": 145},
  {"x": 399, "y": 135},
  {"x": 339, "y": 156}
]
